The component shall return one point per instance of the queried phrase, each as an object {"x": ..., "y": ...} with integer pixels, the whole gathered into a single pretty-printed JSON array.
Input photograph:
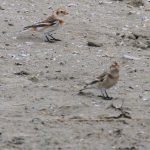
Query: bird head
[
  {"x": 61, "y": 12},
  {"x": 114, "y": 68}
]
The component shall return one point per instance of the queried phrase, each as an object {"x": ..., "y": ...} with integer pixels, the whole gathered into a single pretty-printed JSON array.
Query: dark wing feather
[
  {"x": 102, "y": 76},
  {"x": 93, "y": 82},
  {"x": 50, "y": 22}
]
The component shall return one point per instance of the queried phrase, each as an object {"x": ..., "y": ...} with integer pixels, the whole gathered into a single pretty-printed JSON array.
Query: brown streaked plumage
[
  {"x": 105, "y": 81},
  {"x": 50, "y": 24}
]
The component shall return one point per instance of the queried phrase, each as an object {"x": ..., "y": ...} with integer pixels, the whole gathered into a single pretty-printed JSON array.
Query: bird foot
[
  {"x": 80, "y": 92},
  {"x": 56, "y": 39},
  {"x": 107, "y": 98},
  {"x": 50, "y": 41}
]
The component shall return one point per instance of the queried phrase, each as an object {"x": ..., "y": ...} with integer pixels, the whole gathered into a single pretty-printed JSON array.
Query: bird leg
[
  {"x": 53, "y": 38},
  {"x": 107, "y": 97},
  {"x": 47, "y": 39},
  {"x": 102, "y": 93}
]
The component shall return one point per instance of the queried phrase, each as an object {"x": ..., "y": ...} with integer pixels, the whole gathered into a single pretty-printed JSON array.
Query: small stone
[
  {"x": 17, "y": 140},
  {"x": 34, "y": 79},
  {"x": 1, "y": 8},
  {"x": 136, "y": 3},
  {"x": 94, "y": 44},
  {"x": 3, "y": 32},
  {"x": 62, "y": 63},
  {"x": 58, "y": 71},
  {"x": 72, "y": 4},
  {"x": 130, "y": 57},
  {"x": 18, "y": 64},
  {"x": 6, "y": 20},
  {"x": 21, "y": 73},
  {"x": 10, "y": 24},
  {"x": 46, "y": 66},
  {"x": 71, "y": 78},
  {"x": 6, "y": 44}
]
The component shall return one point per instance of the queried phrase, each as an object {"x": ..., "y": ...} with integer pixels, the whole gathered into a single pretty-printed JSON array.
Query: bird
[
  {"x": 105, "y": 81},
  {"x": 49, "y": 25}
]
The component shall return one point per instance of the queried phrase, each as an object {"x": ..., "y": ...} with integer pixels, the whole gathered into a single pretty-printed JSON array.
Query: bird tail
[
  {"x": 27, "y": 27},
  {"x": 88, "y": 84}
]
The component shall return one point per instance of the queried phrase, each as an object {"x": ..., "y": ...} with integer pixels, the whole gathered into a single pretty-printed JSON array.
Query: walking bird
[
  {"x": 105, "y": 81},
  {"x": 51, "y": 24}
]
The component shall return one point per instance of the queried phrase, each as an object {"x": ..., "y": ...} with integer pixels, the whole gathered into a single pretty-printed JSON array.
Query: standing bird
[
  {"x": 105, "y": 81},
  {"x": 49, "y": 25}
]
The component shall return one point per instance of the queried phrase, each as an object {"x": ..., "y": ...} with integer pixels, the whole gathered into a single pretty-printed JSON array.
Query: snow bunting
[
  {"x": 49, "y": 25},
  {"x": 105, "y": 81}
]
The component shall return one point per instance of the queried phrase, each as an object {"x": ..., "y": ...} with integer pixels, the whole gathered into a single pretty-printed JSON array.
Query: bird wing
[
  {"x": 99, "y": 79},
  {"x": 51, "y": 22},
  {"x": 102, "y": 77},
  {"x": 93, "y": 82}
]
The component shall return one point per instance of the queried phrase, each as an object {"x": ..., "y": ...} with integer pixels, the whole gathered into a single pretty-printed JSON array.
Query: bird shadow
[
  {"x": 32, "y": 38},
  {"x": 91, "y": 95}
]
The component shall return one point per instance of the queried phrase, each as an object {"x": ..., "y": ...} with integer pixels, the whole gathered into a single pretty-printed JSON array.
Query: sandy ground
[{"x": 40, "y": 108}]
